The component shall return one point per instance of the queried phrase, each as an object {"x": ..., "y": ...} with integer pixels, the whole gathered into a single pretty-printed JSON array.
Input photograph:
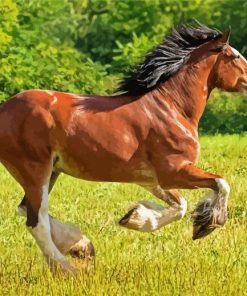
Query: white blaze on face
[{"x": 237, "y": 53}]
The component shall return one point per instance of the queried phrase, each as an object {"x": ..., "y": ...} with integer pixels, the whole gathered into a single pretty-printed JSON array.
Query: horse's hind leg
[
  {"x": 35, "y": 178},
  {"x": 22, "y": 208},
  {"x": 39, "y": 226},
  {"x": 146, "y": 216},
  {"x": 68, "y": 239}
]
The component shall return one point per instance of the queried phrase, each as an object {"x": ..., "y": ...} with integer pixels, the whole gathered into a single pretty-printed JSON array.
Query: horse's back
[{"x": 95, "y": 138}]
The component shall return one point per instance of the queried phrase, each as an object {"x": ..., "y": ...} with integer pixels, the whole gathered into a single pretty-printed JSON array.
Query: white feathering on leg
[{"x": 147, "y": 216}]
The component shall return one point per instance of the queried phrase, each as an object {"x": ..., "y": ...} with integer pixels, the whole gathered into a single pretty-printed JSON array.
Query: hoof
[
  {"x": 206, "y": 218},
  {"x": 144, "y": 217},
  {"x": 64, "y": 268},
  {"x": 200, "y": 231},
  {"x": 83, "y": 249},
  {"x": 125, "y": 221}
]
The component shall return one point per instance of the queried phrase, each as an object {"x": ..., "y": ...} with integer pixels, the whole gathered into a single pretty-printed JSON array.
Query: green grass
[{"x": 166, "y": 262}]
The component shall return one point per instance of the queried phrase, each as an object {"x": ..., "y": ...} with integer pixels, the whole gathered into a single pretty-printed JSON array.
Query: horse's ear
[{"x": 226, "y": 36}]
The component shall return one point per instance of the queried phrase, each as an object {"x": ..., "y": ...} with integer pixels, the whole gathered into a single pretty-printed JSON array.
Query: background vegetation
[
  {"x": 129, "y": 263},
  {"x": 85, "y": 46}
]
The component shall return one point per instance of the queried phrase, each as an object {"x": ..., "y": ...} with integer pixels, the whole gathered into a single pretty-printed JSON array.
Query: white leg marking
[
  {"x": 220, "y": 197},
  {"x": 224, "y": 191},
  {"x": 42, "y": 233},
  {"x": 183, "y": 207},
  {"x": 147, "y": 216},
  {"x": 213, "y": 207},
  {"x": 67, "y": 238},
  {"x": 224, "y": 188}
]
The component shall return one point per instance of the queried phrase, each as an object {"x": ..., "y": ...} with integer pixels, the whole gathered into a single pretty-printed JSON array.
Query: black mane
[{"x": 166, "y": 59}]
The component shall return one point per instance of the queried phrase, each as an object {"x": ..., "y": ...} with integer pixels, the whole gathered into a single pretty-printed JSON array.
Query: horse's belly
[{"x": 108, "y": 170}]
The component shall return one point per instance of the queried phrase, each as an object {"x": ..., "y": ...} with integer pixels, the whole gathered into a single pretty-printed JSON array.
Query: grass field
[{"x": 166, "y": 262}]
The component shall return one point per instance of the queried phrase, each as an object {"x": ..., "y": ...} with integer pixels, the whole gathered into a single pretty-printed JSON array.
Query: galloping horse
[{"x": 147, "y": 135}]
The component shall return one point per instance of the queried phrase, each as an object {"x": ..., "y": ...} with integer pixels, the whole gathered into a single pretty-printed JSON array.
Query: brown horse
[{"x": 148, "y": 135}]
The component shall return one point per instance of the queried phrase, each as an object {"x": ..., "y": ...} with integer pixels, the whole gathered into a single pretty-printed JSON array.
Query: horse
[{"x": 146, "y": 134}]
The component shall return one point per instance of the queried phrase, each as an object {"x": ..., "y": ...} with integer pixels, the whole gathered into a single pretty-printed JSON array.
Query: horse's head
[{"x": 231, "y": 67}]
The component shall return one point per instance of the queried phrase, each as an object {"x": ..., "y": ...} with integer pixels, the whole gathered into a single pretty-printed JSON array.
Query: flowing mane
[{"x": 166, "y": 59}]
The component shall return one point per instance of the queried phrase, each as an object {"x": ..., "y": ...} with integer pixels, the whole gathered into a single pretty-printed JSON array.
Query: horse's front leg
[
  {"x": 146, "y": 216},
  {"x": 210, "y": 213},
  {"x": 67, "y": 238}
]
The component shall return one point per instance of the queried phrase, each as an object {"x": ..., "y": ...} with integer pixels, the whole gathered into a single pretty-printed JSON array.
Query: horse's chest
[{"x": 180, "y": 139}]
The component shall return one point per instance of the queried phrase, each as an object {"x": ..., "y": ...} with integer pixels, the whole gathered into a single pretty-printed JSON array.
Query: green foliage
[
  {"x": 116, "y": 21},
  {"x": 8, "y": 20},
  {"x": 84, "y": 46},
  {"x": 225, "y": 113},
  {"x": 129, "y": 54},
  {"x": 124, "y": 22},
  {"x": 45, "y": 66},
  {"x": 52, "y": 22},
  {"x": 168, "y": 14},
  {"x": 234, "y": 14},
  {"x": 38, "y": 50}
]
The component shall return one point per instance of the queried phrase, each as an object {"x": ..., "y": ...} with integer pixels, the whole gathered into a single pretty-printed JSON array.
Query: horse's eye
[{"x": 237, "y": 56}]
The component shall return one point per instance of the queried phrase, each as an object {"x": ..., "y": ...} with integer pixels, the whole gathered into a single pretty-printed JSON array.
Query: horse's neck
[{"x": 189, "y": 89}]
